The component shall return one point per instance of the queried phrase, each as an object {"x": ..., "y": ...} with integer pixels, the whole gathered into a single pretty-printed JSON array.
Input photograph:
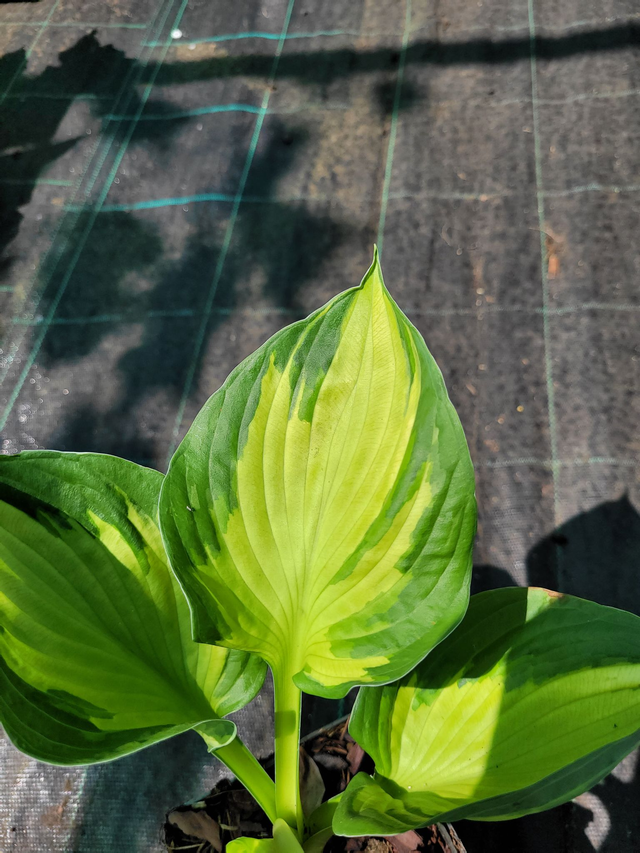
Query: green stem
[
  {"x": 248, "y": 770},
  {"x": 288, "y": 701}
]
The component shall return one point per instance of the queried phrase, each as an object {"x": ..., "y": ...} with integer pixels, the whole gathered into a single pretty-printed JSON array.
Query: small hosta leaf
[
  {"x": 245, "y": 844},
  {"x": 320, "y": 511},
  {"x": 96, "y": 655},
  {"x": 532, "y": 700},
  {"x": 283, "y": 841}
]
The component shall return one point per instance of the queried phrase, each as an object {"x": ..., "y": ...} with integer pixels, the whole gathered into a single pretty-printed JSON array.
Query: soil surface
[{"x": 328, "y": 761}]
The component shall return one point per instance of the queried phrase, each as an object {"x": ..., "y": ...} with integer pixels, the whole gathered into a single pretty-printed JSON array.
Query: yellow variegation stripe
[
  {"x": 320, "y": 511},
  {"x": 532, "y": 700},
  {"x": 96, "y": 655}
]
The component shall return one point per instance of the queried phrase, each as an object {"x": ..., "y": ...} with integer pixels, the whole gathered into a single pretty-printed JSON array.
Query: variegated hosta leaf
[
  {"x": 532, "y": 700},
  {"x": 320, "y": 510},
  {"x": 96, "y": 655}
]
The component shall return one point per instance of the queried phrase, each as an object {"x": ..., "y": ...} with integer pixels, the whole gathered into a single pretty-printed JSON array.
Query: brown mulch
[{"x": 229, "y": 811}]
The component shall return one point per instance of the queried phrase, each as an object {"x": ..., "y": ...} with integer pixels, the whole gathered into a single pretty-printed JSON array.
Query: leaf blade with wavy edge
[
  {"x": 532, "y": 700},
  {"x": 320, "y": 510},
  {"x": 96, "y": 656}
]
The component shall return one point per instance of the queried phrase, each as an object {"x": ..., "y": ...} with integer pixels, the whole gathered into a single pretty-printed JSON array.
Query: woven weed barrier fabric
[{"x": 181, "y": 178}]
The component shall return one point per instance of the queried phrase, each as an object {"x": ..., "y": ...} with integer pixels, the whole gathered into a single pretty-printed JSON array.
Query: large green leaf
[
  {"x": 320, "y": 510},
  {"x": 96, "y": 655},
  {"x": 532, "y": 700}
]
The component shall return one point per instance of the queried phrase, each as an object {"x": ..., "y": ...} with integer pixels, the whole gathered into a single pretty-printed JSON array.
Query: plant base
[{"x": 229, "y": 811}]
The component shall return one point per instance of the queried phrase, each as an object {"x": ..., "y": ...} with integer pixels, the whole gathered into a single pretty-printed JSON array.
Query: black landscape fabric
[{"x": 178, "y": 180}]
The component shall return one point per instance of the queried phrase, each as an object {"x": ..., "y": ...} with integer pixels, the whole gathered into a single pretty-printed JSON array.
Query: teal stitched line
[
  {"x": 166, "y": 314},
  {"x": 594, "y": 306},
  {"x": 226, "y": 197},
  {"x": 81, "y": 243},
  {"x": 282, "y": 311},
  {"x": 77, "y": 24},
  {"x": 546, "y": 326},
  {"x": 159, "y": 202},
  {"x": 7, "y": 288},
  {"x": 459, "y": 196},
  {"x": 591, "y": 188},
  {"x": 233, "y": 108},
  {"x": 198, "y": 111},
  {"x": 561, "y": 463},
  {"x": 451, "y": 196},
  {"x": 97, "y": 319},
  {"x": 230, "y": 228},
  {"x": 197, "y": 199},
  {"x": 260, "y": 35},
  {"x": 394, "y": 127},
  {"x": 507, "y": 102},
  {"x": 589, "y": 96},
  {"x": 512, "y": 28},
  {"x": 54, "y": 254},
  {"x": 93, "y": 26}
]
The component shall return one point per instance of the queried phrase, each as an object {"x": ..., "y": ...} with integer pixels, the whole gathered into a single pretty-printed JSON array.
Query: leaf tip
[{"x": 373, "y": 276}]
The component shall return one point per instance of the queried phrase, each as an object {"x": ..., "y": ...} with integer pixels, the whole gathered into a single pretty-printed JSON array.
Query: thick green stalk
[
  {"x": 288, "y": 701},
  {"x": 248, "y": 770}
]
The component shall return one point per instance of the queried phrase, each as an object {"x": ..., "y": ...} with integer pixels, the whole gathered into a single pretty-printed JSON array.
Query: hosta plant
[{"x": 318, "y": 519}]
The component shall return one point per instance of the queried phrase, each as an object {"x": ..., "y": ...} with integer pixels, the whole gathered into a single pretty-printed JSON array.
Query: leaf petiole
[
  {"x": 248, "y": 770},
  {"x": 288, "y": 700}
]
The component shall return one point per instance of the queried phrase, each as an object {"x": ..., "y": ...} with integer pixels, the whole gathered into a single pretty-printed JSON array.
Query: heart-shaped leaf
[
  {"x": 96, "y": 655},
  {"x": 532, "y": 700},
  {"x": 320, "y": 511}
]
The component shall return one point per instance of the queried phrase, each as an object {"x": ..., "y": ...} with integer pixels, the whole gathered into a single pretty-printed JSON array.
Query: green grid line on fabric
[
  {"x": 331, "y": 33},
  {"x": 175, "y": 313},
  {"x": 388, "y": 169},
  {"x": 226, "y": 198},
  {"x": 320, "y": 106},
  {"x": 84, "y": 773},
  {"x": 229, "y": 231},
  {"x": 29, "y": 361},
  {"x": 546, "y": 324},
  {"x": 560, "y": 463},
  {"x": 114, "y": 25},
  {"x": 582, "y": 188},
  {"x": 250, "y": 108},
  {"x": 52, "y": 256}
]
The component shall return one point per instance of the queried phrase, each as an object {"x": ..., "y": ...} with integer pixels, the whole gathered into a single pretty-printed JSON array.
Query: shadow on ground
[
  {"x": 123, "y": 264},
  {"x": 34, "y": 107},
  {"x": 166, "y": 357},
  {"x": 117, "y": 259},
  {"x": 594, "y": 555}
]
